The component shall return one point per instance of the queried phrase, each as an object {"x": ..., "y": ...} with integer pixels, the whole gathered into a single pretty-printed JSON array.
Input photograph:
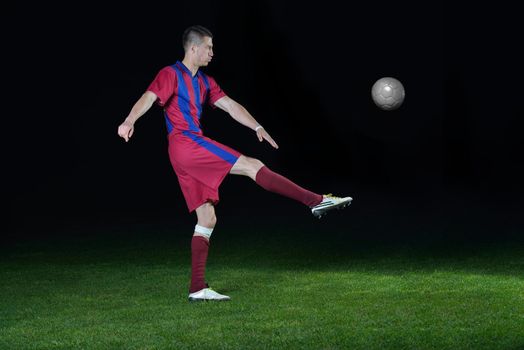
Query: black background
[{"x": 73, "y": 72}]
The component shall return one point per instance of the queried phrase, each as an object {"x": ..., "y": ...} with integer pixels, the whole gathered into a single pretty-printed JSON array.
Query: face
[{"x": 204, "y": 52}]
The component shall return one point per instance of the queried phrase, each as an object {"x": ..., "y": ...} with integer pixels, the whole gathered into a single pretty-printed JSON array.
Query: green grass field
[{"x": 117, "y": 289}]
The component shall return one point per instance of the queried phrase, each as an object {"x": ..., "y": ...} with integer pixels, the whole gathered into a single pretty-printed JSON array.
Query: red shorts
[{"x": 201, "y": 165}]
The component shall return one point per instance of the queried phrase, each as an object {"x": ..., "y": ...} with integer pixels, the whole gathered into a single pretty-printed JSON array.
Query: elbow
[{"x": 150, "y": 97}]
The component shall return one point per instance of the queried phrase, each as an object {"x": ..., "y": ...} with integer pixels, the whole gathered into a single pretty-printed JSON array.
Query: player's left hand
[{"x": 263, "y": 135}]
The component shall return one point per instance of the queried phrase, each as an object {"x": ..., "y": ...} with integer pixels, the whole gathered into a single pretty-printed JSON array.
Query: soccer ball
[{"x": 388, "y": 93}]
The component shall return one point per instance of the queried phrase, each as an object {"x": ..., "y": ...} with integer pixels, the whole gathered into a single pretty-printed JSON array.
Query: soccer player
[{"x": 201, "y": 163}]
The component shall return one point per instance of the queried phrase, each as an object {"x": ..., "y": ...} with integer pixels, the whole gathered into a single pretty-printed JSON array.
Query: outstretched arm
[
  {"x": 241, "y": 115},
  {"x": 125, "y": 130}
]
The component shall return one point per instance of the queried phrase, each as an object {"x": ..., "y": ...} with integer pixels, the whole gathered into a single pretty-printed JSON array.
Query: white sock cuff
[{"x": 204, "y": 231}]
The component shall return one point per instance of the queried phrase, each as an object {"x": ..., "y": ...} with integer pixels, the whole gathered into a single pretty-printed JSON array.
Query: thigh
[
  {"x": 195, "y": 192},
  {"x": 205, "y": 211},
  {"x": 246, "y": 166},
  {"x": 240, "y": 167},
  {"x": 199, "y": 164}
]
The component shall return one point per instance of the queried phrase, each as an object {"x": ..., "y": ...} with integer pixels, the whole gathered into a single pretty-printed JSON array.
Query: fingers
[
  {"x": 125, "y": 133},
  {"x": 262, "y": 134},
  {"x": 128, "y": 134},
  {"x": 273, "y": 143},
  {"x": 270, "y": 140},
  {"x": 121, "y": 132}
]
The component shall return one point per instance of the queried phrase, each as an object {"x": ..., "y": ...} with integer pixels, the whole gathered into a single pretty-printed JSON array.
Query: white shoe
[
  {"x": 207, "y": 294},
  {"x": 328, "y": 203}
]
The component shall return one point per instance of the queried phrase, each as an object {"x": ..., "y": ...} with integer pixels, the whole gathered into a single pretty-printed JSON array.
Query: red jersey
[{"x": 182, "y": 95}]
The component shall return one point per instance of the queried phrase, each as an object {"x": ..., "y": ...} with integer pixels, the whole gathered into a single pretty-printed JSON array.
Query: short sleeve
[
  {"x": 164, "y": 85},
  {"x": 215, "y": 92}
]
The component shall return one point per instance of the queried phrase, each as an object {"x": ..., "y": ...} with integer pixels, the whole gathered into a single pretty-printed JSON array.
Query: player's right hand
[{"x": 125, "y": 130}]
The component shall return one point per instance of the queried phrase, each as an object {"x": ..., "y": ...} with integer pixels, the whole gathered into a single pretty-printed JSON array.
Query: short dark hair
[{"x": 194, "y": 35}]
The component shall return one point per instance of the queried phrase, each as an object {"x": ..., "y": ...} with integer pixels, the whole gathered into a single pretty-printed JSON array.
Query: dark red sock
[
  {"x": 199, "y": 249},
  {"x": 274, "y": 182}
]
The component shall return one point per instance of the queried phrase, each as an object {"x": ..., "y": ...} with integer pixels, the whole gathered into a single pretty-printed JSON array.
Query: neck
[{"x": 190, "y": 65}]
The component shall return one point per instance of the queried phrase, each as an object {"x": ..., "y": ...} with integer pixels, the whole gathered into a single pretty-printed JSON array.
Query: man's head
[{"x": 198, "y": 45}]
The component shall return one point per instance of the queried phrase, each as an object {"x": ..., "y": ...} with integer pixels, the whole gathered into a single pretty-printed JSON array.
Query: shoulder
[
  {"x": 168, "y": 69},
  {"x": 167, "y": 73}
]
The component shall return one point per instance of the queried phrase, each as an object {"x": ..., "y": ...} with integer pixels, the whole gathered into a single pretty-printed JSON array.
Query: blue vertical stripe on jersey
[
  {"x": 183, "y": 101},
  {"x": 207, "y": 86},
  {"x": 196, "y": 89},
  {"x": 168, "y": 123},
  {"x": 211, "y": 147}
]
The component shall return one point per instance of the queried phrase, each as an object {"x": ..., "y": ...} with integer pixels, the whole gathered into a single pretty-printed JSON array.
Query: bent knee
[
  {"x": 257, "y": 164},
  {"x": 246, "y": 166},
  {"x": 254, "y": 164}
]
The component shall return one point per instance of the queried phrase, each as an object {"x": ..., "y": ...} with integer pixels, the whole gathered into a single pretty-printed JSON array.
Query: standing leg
[
  {"x": 200, "y": 245},
  {"x": 199, "y": 291}
]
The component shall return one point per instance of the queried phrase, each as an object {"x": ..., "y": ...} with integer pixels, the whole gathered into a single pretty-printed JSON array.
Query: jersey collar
[{"x": 185, "y": 69}]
